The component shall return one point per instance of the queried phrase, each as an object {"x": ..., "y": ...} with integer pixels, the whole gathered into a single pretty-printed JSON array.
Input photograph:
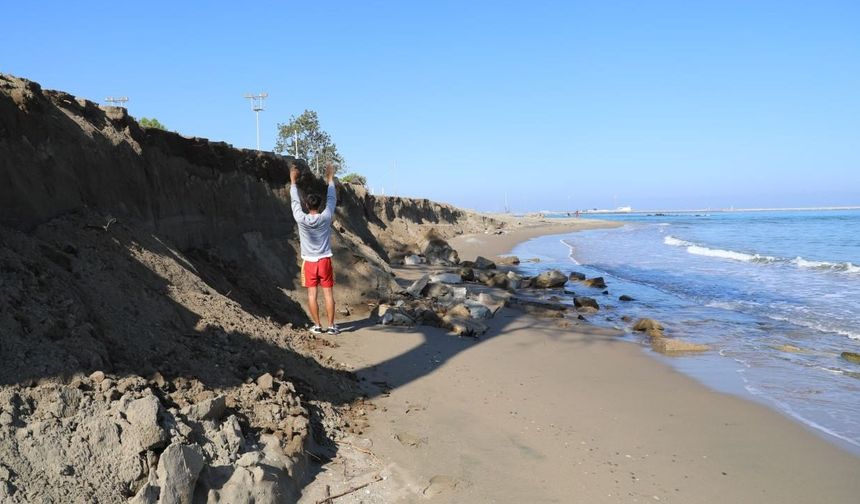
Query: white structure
[{"x": 257, "y": 107}]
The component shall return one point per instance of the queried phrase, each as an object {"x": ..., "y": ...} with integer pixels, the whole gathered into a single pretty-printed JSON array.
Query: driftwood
[{"x": 329, "y": 499}]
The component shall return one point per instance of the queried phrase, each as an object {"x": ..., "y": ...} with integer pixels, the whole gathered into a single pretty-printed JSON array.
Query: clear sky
[{"x": 561, "y": 105}]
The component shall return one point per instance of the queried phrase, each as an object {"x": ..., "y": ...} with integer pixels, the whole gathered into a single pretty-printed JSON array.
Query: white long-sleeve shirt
[{"x": 314, "y": 229}]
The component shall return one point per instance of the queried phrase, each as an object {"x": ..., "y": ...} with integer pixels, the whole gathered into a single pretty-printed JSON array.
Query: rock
[
  {"x": 344, "y": 311},
  {"x": 484, "y": 263},
  {"x": 144, "y": 432},
  {"x": 478, "y": 310},
  {"x": 549, "y": 279},
  {"x": 148, "y": 494},
  {"x": 438, "y": 252},
  {"x": 676, "y": 346},
  {"x": 851, "y": 356},
  {"x": 596, "y": 282},
  {"x": 448, "y": 278},
  {"x": 438, "y": 290},
  {"x": 515, "y": 280},
  {"x": 626, "y": 318},
  {"x": 418, "y": 286},
  {"x": 266, "y": 382},
  {"x": 178, "y": 469},
  {"x": 576, "y": 276},
  {"x": 789, "y": 349},
  {"x": 6, "y": 419},
  {"x": 413, "y": 260},
  {"x": 646, "y": 324},
  {"x": 459, "y": 310},
  {"x": 491, "y": 302},
  {"x": 625, "y": 297},
  {"x": 585, "y": 302},
  {"x": 97, "y": 376},
  {"x": 484, "y": 276},
  {"x": 538, "y": 308},
  {"x": 498, "y": 280},
  {"x": 467, "y": 274},
  {"x": 508, "y": 260},
  {"x": 397, "y": 317},
  {"x": 465, "y": 327},
  {"x": 210, "y": 409}
]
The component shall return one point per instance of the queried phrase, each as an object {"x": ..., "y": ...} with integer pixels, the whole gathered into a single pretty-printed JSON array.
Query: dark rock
[
  {"x": 851, "y": 356},
  {"x": 549, "y": 279},
  {"x": 467, "y": 274},
  {"x": 585, "y": 302},
  {"x": 576, "y": 276},
  {"x": 596, "y": 282},
  {"x": 438, "y": 252},
  {"x": 484, "y": 263},
  {"x": 625, "y": 297}
]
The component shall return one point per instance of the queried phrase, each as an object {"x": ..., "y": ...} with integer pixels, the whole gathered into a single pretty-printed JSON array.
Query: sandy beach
[{"x": 551, "y": 410}]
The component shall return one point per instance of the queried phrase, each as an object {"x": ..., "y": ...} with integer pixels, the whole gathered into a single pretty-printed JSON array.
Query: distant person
[
  {"x": 315, "y": 241},
  {"x": 577, "y": 214}
]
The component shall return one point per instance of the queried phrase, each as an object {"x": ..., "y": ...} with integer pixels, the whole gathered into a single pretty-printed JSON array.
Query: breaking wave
[{"x": 692, "y": 248}]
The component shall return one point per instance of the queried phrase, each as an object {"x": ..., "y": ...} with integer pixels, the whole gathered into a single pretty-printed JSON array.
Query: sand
[{"x": 537, "y": 412}]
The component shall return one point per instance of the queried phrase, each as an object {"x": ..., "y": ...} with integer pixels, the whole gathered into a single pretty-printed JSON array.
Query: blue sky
[{"x": 561, "y": 105}]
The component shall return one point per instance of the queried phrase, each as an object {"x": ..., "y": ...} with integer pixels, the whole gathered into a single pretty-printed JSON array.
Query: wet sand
[{"x": 537, "y": 412}]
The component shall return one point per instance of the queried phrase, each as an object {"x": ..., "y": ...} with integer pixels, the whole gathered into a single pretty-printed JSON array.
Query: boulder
[
  {"x": 676, "y": 346},
  {"x": 448, "y": 278},
  {"x": 511, "y": 260},
  {"x": 515, "y": 280},
  {"x": 851, "y": 356},
  {"x": 459, "y": 310},
  {"x": 484, "y": 263},
  {"x": 266, "y": 381},
  {"x": 397, "y": 317},
  {"x": 549, "y": 279},
  {"x": 464, "y": 326},
  {"x": 491, "y": 302},
  {"x": 585, "y": 302},
  {"x": 478, "y": 310},
  {"x": 484, "y": 276},
  {"x": 498, "y": 280},
  {"x": 417, "y": 287},
  {"x": 210, "y": 409},
  {"x": 596, "y": 282},
  {"x": 467, "y": 274},
  {"x": 413, "y": 260},
  {"x": 625, "y": 297},
  {"x": 646, "y": 324},
  {"x": 438, "y": 252},
  {"x": 143, "y": 432},
  {"x": 576, "y": 276},
  {"x": 178, "y": 469},
  {"x": 438, "y": 291}
]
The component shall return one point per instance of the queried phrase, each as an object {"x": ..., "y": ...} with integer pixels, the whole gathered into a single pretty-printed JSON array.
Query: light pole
[{"x": 257, "y": 107}]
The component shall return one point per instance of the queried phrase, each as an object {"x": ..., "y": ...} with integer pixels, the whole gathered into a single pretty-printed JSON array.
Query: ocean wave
[
  {"x": 692, "y": 248},
  {"x": 812, "y": 324},
  {"x": 845, "y": 267}
]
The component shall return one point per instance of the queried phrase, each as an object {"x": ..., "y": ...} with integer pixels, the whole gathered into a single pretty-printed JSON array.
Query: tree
[
  {"x": 354, "y": 178},
  {"x": 151, "y": 123},
  {"x": 314, "y": 144}
]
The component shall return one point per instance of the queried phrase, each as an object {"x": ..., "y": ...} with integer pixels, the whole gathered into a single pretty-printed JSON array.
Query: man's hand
[
  {"x": 294, "y": 174},
  {"x": 329, "y": 172}
]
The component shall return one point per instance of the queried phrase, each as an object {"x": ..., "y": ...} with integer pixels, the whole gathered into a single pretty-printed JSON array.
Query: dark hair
[{"x": 314, "y": 201}]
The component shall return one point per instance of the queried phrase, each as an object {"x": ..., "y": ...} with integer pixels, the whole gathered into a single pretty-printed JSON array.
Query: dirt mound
[{"x": 148, "y": 296}]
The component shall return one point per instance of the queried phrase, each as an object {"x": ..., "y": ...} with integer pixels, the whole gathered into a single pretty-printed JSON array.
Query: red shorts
[{"x": 318, "y": 273}]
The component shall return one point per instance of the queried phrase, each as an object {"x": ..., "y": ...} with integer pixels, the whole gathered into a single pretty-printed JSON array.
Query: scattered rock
[
  {"x": 596, "y": 282},
  {"x": 464, "y": 326},
  {"x": 676, "y": 346},
  {"x": 625, "y": 297},
  {"x": 438, "y": 291},
  {"x": 585, "y": 302},
  {"x": 448, "y": 278},
  {"x": 210, "y": 409},
  {"x": 511, "y": 260},
  {"x": 491, "y": 302},
  {"x": 418, "y": 286},
  {"x": 549, "y": 279},
  {"x": 790, "y": 349},
  {"x": 397, "y": 317},
  {"x": 178, "y": 469},
  {"x": 484, "y": 263},
  {"x": 144, "y": 432},
  {"x": 413, "y": 260},
  {"x": 467, "y": 274},
  {"x": 97, "y": 376},
  {"x": 851, "y": 356},
  {"x": 438, "y": 252},
  {"x": 576, "y": 276},
  {"x": 266, "y": 382},
  {"x": 646, "y": 324}
]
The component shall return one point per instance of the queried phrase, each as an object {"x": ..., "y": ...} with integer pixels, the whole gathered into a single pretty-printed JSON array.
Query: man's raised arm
[
  {"x": 295, "y": 203},
  {"x": 331, "y": 194}
]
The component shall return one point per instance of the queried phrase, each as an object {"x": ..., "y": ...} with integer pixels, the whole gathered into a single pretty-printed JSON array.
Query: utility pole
[
  {"x": 117, "y": 102},
  {"x": 257, "y": 107}
]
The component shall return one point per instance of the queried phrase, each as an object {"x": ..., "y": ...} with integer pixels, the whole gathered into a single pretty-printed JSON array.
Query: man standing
[{"x": 315, "y": 238}]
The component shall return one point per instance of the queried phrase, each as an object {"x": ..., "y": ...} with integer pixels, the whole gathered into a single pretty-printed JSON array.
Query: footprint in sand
[
  {"x": 407, "y": 439},
  {"x": 439, "y": 484}
]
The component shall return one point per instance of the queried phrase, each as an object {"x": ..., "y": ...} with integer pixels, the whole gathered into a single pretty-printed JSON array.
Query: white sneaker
[
  {"x": 333, "y": 329},
  {"x": 316, "y": 330}
]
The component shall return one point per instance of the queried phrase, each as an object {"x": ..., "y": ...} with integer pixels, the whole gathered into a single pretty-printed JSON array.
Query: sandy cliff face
[{"x": 147, "y": 283}]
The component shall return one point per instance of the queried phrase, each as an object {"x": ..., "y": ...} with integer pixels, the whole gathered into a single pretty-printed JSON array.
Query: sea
[{"x": 775, "y": 294}]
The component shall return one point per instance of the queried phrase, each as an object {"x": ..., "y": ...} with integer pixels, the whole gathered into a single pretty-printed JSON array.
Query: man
[{"x": 315, "y": 238}]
